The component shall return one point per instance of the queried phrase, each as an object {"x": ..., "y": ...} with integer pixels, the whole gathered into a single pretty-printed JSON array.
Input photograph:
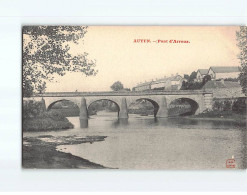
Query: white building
[
  {"x": 200, "y": 74},
  {"x": 223, "y": 72},
  {"x": 165, "y": 83},
  {"x": 158, "y": 83},
  {"x": 143, "y": 86}
]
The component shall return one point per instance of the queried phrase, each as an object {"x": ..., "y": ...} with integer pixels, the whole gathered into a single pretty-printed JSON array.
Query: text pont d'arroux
[{"x": 160, "y": 41}]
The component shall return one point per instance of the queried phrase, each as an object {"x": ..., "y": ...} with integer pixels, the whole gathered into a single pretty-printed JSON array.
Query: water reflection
[
  {"x": 183, "y": 123},
  {"x": 120, "y": 122},
  {"x": 83, "y": 123}
]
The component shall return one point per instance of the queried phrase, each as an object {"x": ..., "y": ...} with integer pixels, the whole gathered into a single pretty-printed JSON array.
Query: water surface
[{"x": 142, "y": 142}]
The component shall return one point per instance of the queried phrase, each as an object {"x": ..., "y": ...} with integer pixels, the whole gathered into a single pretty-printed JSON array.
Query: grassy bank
[
  {"x": 221, "y": 115},
  {"x": 46, "y": 124},
  {"x": 47, "y": 121},
  {"x": 40, "y": 152}
]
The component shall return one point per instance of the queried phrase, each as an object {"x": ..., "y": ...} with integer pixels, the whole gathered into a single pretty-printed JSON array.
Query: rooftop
[
  {"x": 203, "y": 71},
  {"x": 172, "y": 78},
  {"x": 225, "y": 69}
]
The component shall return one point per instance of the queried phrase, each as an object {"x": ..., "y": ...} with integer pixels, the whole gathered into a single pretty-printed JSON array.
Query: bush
[
  {"x": 218, "y": 105},
  {"x": 32, "y": 108},
  {"x": 46, "y": 124},
  {"x": 227, "y": 105},
  {"x": 239, "y": 106},
  {"x": 35, "y": 118}
]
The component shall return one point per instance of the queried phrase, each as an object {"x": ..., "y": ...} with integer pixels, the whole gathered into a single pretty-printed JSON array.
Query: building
[
  {"x": 158, "y": 84},
  {"x": 165, "y": 83},
  {"x": 174, "y": 82},
  {"x": 200, "y": 74},
  {"x": 143, "y": 86},
  {"x": 223, "y": 72}
]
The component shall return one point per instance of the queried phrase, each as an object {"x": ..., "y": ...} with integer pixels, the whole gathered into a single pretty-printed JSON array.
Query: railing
[{"x": 122, "y": 93}]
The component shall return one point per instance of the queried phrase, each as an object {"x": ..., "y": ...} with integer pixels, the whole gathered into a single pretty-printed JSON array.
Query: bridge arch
[
  {"x": 106, "y": 99},
  {"x": 61, "y": 100},
  {"x": 153, "y": 102},
  {"x": 194, "y": 106}
]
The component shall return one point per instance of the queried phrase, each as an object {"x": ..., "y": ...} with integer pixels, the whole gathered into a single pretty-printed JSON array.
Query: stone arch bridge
[{"x": 199, "y": 100}]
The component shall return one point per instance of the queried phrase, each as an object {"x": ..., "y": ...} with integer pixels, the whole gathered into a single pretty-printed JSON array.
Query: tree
[
  {"x": 117, "y": 86},
  {"x": 206, "y": 79},
  {"x": 242, "y": 44},
  {"x": 46, "y": 51},
  {"x": 192, "y": 76},
  {"x": 41, "y": 87},
  {"x": 186, "y": 76}
]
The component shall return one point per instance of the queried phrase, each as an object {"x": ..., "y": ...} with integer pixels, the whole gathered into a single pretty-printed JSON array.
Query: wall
[
  {"x": 227, "y": 75},
  {"x": 211, "y": 73},
  {"x": 157, "y": 85}
]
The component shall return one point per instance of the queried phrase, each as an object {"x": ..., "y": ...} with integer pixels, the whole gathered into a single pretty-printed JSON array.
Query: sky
[{"x": 119, "y": 58}]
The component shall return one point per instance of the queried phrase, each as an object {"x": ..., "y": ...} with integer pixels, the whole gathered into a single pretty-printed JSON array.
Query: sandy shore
[{"x": 40, "y": 152}]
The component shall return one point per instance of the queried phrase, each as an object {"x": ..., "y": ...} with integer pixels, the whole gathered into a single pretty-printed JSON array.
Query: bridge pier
[
  {"x": 83, "y": 114},
  {"x": 43, "y": 107},
  {"x": 123, "y": 113},
  {"x": 163, "y": 110}
]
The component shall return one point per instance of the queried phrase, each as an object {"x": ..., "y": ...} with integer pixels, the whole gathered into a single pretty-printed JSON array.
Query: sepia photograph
[{"x": 134, "y": 97}]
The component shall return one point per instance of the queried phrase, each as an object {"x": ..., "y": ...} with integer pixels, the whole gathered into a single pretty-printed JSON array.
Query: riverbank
[
  {"x": 40, "y": 152},
  {"x": 47, "y": 121},
  {"x": 220, "y": 116}
]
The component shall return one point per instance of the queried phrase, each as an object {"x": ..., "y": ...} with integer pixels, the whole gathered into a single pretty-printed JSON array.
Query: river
[{"x": 142, "y": 142}]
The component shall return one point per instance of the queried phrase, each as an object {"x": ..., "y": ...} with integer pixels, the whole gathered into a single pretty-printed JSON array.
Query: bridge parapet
[{"x": 121, "y": 93}]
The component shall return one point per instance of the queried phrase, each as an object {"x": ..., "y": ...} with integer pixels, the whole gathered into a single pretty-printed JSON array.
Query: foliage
[
  {"x": 222, "y": 105},
  {"x": 205, "y": 79},
  {"x": 217, "y": 105},
  {"x": 36, "y": 118},
  {"x": 66, "y": 104},
  {"x": 46, "y": 124},
  {"x": 242, "y": 44},
  {"x": 192, "y": 85},
  {"x": 227, "y": 105},
  {"x": 239, "y": 106},
  {"x": 186, "y": 76},
  {"x": 32, "y": 109},
  {"x": 102, "y": 105},
  {"x": 232, "y": 79},
  {"x": 46, "y": 51},
  {"x": 117, "y": 86},
  {"x": 192, "y": 76}
]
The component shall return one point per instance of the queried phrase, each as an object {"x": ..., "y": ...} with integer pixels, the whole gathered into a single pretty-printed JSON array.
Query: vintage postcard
[{"x": 134, "y": 97}]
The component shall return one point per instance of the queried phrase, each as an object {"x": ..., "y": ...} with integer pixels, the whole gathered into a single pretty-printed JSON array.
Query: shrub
[
  {"x": 35, "y": 118},
  {"x": 46, "y": 124},
  {"x": 32, "y": 108},
  {"x": 218, "y": 105},
  {"x": 227, "y": 105},
  {"x": 239, "y": 106}
]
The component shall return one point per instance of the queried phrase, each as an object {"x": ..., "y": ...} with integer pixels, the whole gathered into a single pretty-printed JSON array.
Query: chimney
[
  {"x": 222, "y": 81},
  {"x": 176, "y": 74},
  {"x": 172, "y": 75}
]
